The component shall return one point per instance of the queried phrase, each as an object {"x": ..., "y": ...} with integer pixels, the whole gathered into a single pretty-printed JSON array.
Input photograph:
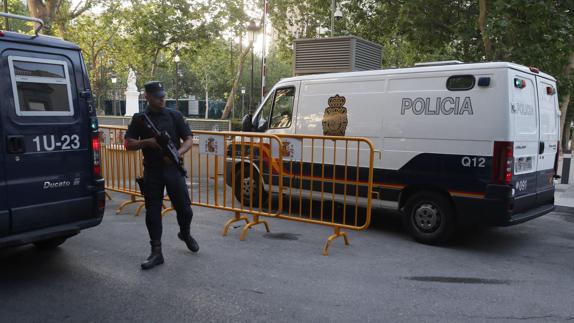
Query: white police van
[
  {"x": 50, "y": 177},
  {"x": 460, "y": 143}
]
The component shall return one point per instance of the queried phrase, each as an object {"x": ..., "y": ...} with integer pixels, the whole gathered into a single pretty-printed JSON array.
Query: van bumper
[
  {"x": 500, "y": 208},
  {"x": 67, "y": 230}
]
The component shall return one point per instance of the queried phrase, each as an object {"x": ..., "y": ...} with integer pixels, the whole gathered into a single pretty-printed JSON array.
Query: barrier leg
[
  {"x": 255, "y": 222},
  {"x": 132, "y": 200},
  {"x": 238, "y": 217},
  {"x": 165, "y": 209},
  {"x": 108, "y": 196},
  {"x": 139, "y": 209},
  {"x": 164, "y": 212},
  {"x": 142, "y": 205},
  {"x": 334, "y": 236}
]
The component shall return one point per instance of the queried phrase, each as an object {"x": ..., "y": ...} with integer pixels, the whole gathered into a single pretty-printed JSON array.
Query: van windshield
[{"x": 262, "y": 116}]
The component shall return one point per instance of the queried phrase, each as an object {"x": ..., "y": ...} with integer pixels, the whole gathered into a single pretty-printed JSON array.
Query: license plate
[{"x": 523, "y": 164}]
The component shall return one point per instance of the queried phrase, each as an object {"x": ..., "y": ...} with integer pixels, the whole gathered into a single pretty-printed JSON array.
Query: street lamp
[
  {"x": 176, "y": 59},
  {"x": 114, "y": 81},
  {"x": 252, "y": 29}
]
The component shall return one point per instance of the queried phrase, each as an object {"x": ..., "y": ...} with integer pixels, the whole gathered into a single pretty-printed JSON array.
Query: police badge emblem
[
  {"x": 335, "y": 117},
  {"x": 211, "y": 145}
]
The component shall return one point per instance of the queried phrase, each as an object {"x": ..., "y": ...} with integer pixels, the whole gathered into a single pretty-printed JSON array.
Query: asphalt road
[{"x": 520, "y": 273}]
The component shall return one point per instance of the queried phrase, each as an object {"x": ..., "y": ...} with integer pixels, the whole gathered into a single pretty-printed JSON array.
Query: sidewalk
[{"x": 564, "y": 195}]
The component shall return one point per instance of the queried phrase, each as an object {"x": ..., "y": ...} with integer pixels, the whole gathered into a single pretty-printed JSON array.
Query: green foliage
[
  {"x": 17, "y": 7},
  {"x": 529, "y": 32}
]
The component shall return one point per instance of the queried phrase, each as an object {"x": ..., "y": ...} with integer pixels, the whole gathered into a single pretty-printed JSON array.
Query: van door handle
[
  {"x": 15, "y": 144},
  {"x": 541, "y": 148}
]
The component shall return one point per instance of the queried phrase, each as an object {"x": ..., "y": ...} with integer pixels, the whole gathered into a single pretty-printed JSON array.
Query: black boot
[
  {"x": 190, "y": 242},
  {"x": 155, "y": 258}
]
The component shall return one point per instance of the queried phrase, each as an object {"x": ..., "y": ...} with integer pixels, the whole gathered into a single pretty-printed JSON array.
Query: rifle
[{"x": 167, "y": 145}]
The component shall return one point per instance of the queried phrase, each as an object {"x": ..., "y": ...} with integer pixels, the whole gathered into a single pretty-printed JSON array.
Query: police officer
[{"x": 160, "y": 171}]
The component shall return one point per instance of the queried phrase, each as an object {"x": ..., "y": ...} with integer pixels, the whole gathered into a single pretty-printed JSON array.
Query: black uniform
[{"x": 160, "y": 172}]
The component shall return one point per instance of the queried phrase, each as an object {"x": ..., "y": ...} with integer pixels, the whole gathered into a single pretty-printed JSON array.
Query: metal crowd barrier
[
  {"x": 194, "y": 123},
  {"x": 325, "y": 180},
  {"x": 226, "y": 166},
  {"x": 121, "y": 167},
  {"x": 332, "y": 171}
]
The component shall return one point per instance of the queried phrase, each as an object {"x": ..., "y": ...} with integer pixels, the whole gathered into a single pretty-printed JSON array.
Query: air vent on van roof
[{"x": 439, "y": 63}]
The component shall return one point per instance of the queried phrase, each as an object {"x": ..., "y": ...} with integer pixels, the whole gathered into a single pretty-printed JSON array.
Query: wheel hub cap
[
  {"x": 246, "y": 186},
  {"x": 427, "y": 217}
]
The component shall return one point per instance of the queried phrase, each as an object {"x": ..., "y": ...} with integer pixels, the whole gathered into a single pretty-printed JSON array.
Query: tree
[
  {"x": 18, "y": 8},
  {"x": 537, "y": 33},
  {"x": 213, "y": 75},
  {"x": 164, "y": 24},
  {"x": 97, "y": 36},
  {"x": 230, "y": 99},
  {"x": 58, "y": 12}
]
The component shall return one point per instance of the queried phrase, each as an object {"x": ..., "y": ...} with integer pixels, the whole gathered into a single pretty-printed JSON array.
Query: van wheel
[
  {"x": 250, "y": 187},
  {"x": 429, "y": 217},
  {"x": 50, "y": 243}
]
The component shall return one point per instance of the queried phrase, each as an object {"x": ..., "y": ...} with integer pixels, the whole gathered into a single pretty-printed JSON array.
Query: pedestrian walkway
[{"x": 564, "y": 196}]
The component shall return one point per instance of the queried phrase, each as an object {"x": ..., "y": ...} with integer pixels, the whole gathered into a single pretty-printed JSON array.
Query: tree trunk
[
  {"x": 45, "y": 11},
  {"x": 62, "y": 29},
  {"x": 564, "y": 126},
  {"x": 206, "y": 103},
  {"x": 6, "y": 23},
  {"x": 565, "y": 134},
  {"x": 565, "y": 103},
  {"x": 38, "y": 9},
  {"x": 154, "y": 65},
  {"x": 230, "y": 99},
  {"x": 483, "y": 32}
]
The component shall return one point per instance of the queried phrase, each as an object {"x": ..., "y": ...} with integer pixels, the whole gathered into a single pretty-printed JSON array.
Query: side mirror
[
  {"x": 262, "y": 128},
  {"x": 246, "y": 124}
]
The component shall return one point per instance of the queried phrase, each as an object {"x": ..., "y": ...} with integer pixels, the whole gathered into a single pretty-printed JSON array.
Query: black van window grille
[{"x": 41, "y": 87}]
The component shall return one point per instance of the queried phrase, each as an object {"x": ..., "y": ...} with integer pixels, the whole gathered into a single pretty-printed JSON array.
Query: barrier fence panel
[
  {"x": 121, "y": 167},
  {"x": 315, "y": 179},
  {"x": 227, "y": 173},
  {"x": 328, "y": 180}
]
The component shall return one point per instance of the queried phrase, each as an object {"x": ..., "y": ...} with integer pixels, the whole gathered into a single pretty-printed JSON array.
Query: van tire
[
  {"x": 256, "y": 178},
  {"x": 429, "y": 217},
  {"x": 50, "y": 243}
]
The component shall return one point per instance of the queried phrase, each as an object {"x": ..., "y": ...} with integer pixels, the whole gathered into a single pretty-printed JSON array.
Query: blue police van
[{"x": 50, "y": 175}]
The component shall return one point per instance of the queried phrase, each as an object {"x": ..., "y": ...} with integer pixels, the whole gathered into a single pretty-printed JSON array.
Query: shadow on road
[{"x": 26, "y": 263}]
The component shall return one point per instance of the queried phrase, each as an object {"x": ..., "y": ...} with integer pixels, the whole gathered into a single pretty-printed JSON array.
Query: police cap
[{"x": 154, "y": 88}]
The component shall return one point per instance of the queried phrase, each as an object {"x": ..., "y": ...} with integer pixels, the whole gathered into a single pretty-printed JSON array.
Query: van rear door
[
  {"x": 548, "y": 145},
  {"x": 526, "y": 135},
  {"x": 48, "y": 160}
]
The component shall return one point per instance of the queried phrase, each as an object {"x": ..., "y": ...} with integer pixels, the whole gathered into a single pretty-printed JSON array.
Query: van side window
[
  {"x": 283, "y": 108},
  {"x": 41, "y": 87},
  {"x": 460, "y": 82}
]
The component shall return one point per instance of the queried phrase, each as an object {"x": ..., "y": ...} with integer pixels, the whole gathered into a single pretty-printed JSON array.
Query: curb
[{"x": 564, "y": 209}]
